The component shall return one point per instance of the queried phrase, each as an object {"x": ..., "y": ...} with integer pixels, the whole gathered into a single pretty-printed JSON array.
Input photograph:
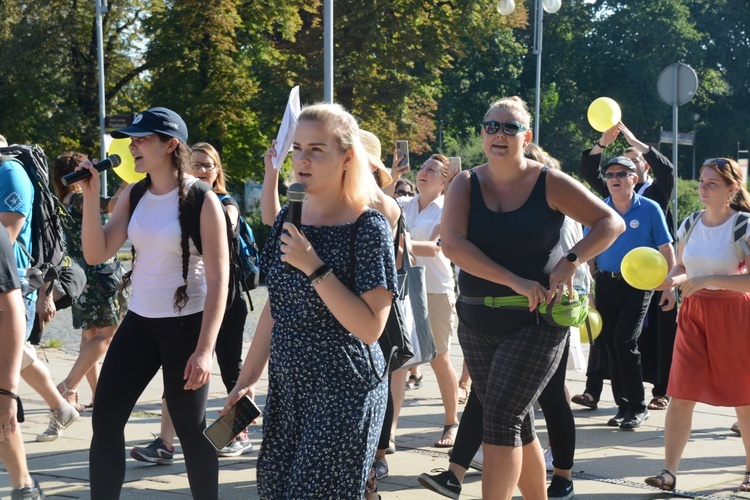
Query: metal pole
[
  {"x": 675, "y": 216},
  {"x": 101, "y": 7},
  {"x": 538, "y": 13},
  {"x": 328, "y": 51}
]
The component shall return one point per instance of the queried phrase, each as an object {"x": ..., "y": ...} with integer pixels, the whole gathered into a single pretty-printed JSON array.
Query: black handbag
[{"x": 109, "y": 277}]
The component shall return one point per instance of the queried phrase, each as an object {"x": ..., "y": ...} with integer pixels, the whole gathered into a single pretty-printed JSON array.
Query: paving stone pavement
[{"x": 610, "y": 464}]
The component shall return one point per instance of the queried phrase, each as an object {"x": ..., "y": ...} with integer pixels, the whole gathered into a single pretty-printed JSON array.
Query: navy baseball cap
[
  {"x": 623, "y": 161},
  {"x": 153, "y": 120}
]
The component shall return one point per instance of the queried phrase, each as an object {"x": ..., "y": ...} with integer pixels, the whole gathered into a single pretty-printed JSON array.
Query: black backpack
[
  {"x": 47, "y": 238},
  {"x": 194, "y": 200}
]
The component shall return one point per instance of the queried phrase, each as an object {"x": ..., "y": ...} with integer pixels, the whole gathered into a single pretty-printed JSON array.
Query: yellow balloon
[
  {"x": 644, "y": 268},
  {"x": 126, "y": 169},
  {"x": 604, "y": 113},
  {"x": 595, "y": 320}
]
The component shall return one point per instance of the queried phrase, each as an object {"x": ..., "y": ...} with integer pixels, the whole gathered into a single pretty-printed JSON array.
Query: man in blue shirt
[{"x": 621, "y": 306}]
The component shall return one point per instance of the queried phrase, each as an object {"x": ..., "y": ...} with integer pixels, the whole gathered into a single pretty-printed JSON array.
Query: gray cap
[{"x": 620, "y": 160}]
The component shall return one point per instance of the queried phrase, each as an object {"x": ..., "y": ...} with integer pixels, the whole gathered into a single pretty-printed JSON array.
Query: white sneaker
[
  {"x": 59, "y": 420},
  {"x": 240, "y": 446},
  {"x": 478, "y": 460},
  {"x": 548, "y": 458}
]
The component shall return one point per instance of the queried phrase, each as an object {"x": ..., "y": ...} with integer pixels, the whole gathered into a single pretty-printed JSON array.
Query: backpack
[
  {"x": 738, "y": 233},
  {"x": 47, "y": 238},
  {"x": 248, "y": 249},
  {"x": 194, "y": 202}
]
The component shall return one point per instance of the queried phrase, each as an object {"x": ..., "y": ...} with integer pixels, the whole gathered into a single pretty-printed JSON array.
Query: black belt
[{"x": 610, "y": 274}]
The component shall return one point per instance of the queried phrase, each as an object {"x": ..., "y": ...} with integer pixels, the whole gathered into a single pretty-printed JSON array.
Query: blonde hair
[
  {"x": 515, "y": 105},
  {"x": 220, "y": 185},
  {"x": 358, "y": 186},
  {"x": 443, "y": 160}
]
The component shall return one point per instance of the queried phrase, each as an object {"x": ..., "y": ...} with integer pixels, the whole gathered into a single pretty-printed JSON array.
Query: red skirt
[{"x": 711, "y": 361}]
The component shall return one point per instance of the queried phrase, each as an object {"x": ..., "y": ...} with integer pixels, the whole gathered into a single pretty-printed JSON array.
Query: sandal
[
  {"x": 660, "y": 481},
  {"x": 745, "y": 486},
  {"x": 414, "y": 382},
  {"x": 70, "y": 395},
  {"x": 586, "y": 400},
  {"x": 735, "y": 427},
  {"x": 446, "y": 437},
  {"x": 466, "y": 388},
  {"x": 659, "y": 403}
]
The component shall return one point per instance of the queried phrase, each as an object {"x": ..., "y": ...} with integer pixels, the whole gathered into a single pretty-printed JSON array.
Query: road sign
[{"x": 677, "y": 84}]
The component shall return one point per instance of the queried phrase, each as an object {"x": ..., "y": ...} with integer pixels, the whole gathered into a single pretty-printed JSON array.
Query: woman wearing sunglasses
[
  {"x": 710, "y": 362},
  {"x": 501, "y": 226}
]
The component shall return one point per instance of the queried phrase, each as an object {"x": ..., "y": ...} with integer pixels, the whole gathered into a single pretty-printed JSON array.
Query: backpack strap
[
  {"x": 690, "y": 223},
  {"x": 227, "y": 201},
  {"x": 738, "y": 234}
]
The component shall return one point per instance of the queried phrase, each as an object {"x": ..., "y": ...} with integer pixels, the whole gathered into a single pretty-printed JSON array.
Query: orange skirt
[{"x": 711, "y": 361}]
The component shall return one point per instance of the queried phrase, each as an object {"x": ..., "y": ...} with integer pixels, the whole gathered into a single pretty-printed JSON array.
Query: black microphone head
[
  {"x": 296, "y": 192},
  {"x": 115, "y": 159}
]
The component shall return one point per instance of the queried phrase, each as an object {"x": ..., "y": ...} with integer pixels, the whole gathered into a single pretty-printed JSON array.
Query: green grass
[{"x": 53, "y": 344}]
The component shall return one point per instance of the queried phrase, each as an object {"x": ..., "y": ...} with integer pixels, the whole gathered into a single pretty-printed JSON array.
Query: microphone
[
  {"x": 106, "y": 163},
  {"x": 296, "y": 194}
]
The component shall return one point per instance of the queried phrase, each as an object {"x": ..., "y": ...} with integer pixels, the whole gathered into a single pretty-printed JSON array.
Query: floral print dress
[
  {"x": 325, "y": 406},
  {"x": 92, "y": 308}
]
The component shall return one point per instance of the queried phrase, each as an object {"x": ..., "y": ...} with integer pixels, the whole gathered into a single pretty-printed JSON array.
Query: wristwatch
[{"x": 572, "y": 258}]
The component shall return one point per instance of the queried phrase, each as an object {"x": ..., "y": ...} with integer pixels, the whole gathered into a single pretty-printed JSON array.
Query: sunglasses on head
[
  {"x": 617, "y": 175},
  {"x": 719, "y": 162},
  {"x": 401, "y": 192},
  {"x": 492, "y": 127}
]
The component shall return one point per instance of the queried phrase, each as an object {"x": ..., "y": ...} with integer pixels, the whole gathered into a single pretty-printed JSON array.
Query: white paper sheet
[{"x": 286, "y": 131}]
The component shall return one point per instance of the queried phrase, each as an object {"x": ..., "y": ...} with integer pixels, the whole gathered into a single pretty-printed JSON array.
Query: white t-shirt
[
  {"x": 155, "y": 232},
  {"x": 421, "y": 225},
  {"x": 710, "y": 251}
]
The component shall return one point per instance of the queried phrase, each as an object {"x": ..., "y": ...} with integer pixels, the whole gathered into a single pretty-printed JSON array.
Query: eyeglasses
[
  {"x": 617, "y": 175},
  {"x": 719, "y": 162},
  {"x": 205, "y": 166},
  {"x": 401, "y": 192},
  {"x": 492, "y": 127}
]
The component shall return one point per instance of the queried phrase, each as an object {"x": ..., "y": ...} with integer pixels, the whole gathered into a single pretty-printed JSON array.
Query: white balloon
[
  {"x": 506, "y": 7},
  {"x": 551, "y": 6}
]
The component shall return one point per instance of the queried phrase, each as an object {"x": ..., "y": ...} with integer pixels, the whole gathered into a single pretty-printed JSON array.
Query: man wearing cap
[
  {"x": 621, "y": 306},
  {"x": 660, "y": 326}
]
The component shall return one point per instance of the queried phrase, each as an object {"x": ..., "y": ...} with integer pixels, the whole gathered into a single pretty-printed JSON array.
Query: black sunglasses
[
  {"x": 618, "y": 175},
  {"x": 492, "y": 127},
  {"x": 401, "y": 192},
  {"x": 719, "y": 162}
]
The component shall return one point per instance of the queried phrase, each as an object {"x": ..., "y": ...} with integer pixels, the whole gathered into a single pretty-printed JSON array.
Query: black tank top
[{"x": 526, "y": 241}]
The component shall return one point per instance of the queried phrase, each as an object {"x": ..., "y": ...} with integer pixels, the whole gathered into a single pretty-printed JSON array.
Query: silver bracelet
[{"x": 322, "y": 277}]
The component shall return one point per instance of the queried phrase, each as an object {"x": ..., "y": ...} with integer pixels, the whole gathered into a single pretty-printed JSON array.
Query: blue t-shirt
[
  {"x": 17, "y": 195},
  {"x": 645, "y": 226}
]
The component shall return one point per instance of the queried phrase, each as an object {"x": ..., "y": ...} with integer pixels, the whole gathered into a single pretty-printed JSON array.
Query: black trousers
[
  {"x": 229, "y": 342},
  {"x": 139, "y": 348},
  {"x": 623, "y": 308}
]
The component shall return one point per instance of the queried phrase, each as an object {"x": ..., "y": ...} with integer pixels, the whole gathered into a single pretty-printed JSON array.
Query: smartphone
[
  {"x": 224, "y": 429},
  {"x": 454, "y": 165},
  {"x": 402, "y": 151}
]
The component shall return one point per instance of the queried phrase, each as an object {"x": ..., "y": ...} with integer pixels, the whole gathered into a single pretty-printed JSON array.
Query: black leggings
[
  {"x": 140, "y": 346},
  {"x": 385, "y": 433},
  {"x": 557, "y": 413},
  {"x": 229, "y": 342}
]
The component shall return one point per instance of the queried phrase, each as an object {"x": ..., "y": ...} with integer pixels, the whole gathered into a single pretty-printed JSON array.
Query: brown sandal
[
  {"x": 659, "y": 403},
  {"x": 586, "y": 400},
  {"x": 466, "y": 388},
  {"x": 659, "y": 481},
  {"x": 745, "y": 486}
]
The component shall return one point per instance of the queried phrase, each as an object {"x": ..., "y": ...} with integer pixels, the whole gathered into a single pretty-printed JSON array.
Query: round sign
[{"x": 677, "y": 84}]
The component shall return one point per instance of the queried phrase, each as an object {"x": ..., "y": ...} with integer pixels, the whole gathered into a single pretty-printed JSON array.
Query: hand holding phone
[
  {"x": 454, "y": 165},
  {"x": 401, "y": 157},
  {"x": 224, "y": 429}
]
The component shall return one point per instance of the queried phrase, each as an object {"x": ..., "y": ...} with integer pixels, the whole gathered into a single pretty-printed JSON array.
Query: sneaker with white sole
[
  {"x": 444, "y": 483},
  {"x": 560, "y": 489},
  {"x": 28, "y": 492},
  {"x": 548, "y": 458},
  {"x": 155, "y": 453},
  {"x": 240, "y": 446},
  {"x": 478, "y": 460},
  {"x": 59, "y": 420}
]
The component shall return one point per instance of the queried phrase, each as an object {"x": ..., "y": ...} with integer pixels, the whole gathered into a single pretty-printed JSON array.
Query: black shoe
[
  {"x": 634, "y": 419},
  {"x": 560, "y": 489},
  {"x": 617, "y": 419},
  {"x": 30, "y": 492},
  {"x": 444, "y": 483}
]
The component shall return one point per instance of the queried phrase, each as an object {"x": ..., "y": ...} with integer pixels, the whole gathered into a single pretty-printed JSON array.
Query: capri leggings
[
  {"x": 509, "y": 373},
  {"x": 139, "y": 348}
]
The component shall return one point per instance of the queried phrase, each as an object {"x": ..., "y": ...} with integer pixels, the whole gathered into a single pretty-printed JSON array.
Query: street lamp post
[
  {"x": 506, "y": 7},
  {"x": 101, "y": 8}
]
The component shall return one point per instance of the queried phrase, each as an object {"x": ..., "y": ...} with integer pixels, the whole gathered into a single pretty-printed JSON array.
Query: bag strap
[
  {"x": 738, "y": 233},
  {"x": 227, "y": 201},
  {"x": 690, "y": 223}
]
